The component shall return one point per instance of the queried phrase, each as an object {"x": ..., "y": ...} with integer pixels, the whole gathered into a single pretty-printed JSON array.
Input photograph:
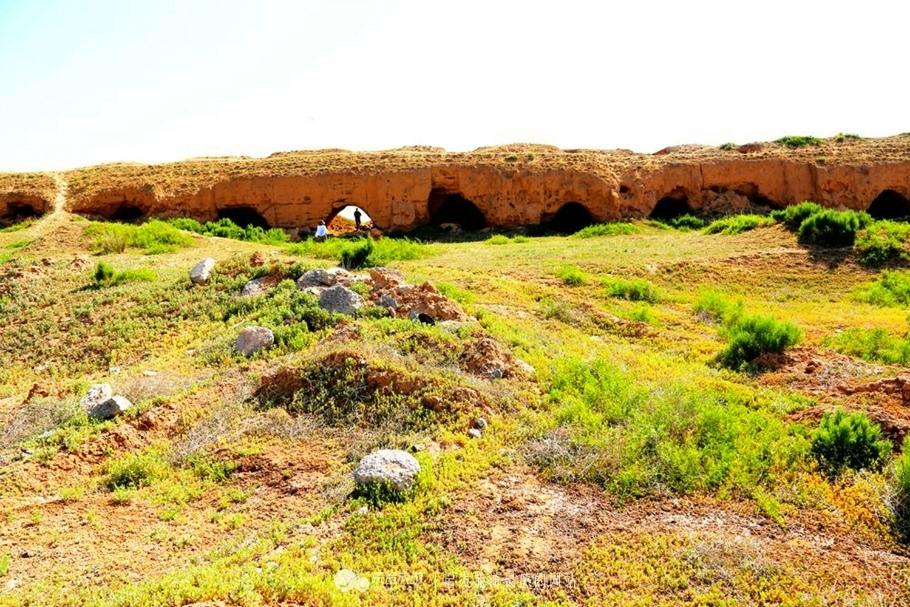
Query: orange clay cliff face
[{"x": 506, "y": 186}]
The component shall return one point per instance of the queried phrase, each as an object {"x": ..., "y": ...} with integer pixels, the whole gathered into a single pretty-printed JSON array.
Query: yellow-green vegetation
[{"x": 630, "y": 442}]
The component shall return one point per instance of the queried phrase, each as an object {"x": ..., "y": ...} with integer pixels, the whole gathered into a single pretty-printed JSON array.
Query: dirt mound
[
  {"x": 485, "y": 357},
  {"x": 405, "y": 301}
]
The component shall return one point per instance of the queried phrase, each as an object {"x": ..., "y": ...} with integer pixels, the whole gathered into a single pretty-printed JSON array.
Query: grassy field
[{"x": 625, "y": 460}]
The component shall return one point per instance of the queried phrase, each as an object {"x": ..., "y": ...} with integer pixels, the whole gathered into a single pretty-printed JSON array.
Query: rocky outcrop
[{"x": 503, "y": 186}]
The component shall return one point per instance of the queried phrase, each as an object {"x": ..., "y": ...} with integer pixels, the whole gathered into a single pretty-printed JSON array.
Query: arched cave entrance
[
  {"x": 244, "y": 217},
  {"x": 446, "y": 207},
  {"x": 570, "y": 218},
  {"x": 127, "y": 213},
  {"x": 670, "y": 207},
  {"x": 344, "y": 220},
  {"x": 17, "y": 212},
  {"x": 889, "y": 205}
]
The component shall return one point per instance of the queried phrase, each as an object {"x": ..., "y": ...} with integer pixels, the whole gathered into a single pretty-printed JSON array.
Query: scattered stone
[
  {"x": 258, "y": 259},
  {"x": 481, "y": 423},
  {"x": 96, "y": 395},
  {"x": 312, "y": 278},
  {"x": 47, "y": 262},
  {"x": 454, "y": 228},
  {"x": 336, "y": 276},
  {"x": 386, "y": 300},
  {"x": 201, "y": 271},
  {"x": 114, "y": 370},
  {"x": 112, "y": 407},
  {"x": 495, "y": 373},
  {"x": 79, "y": 262},
  {"x": 150, "y": 373},
  {"x": 376, "y": 234},
  {"x": 485, "y": 357},
  {"x": 475, "y": 433},
  {"x": 340, "y": 299},
  {"x": 393, "y": 466},
  {"x": 253, "y": 339},
  {"x": 384, "y": 278},
  {"x": 253, "y": 287}
]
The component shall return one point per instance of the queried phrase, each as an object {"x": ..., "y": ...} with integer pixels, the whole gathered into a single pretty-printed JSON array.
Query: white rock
[
  {"x": 312, "y": 278},
  {"x": 253, "y": 287},
  {"x": 253, "y": 339},
  {"x": 112, "y": 407},
  {"x": 201, "y": 271},
  {"x": 96, "y": 395},
  {"x": 474, "y": 433},
  {"x": 393, "y": 466}
]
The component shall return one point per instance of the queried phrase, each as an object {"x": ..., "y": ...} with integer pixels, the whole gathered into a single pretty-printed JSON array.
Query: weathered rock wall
[{"x": 515, "y": 185}]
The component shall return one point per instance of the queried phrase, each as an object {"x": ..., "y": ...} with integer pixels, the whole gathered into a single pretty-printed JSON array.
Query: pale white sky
[{"x": 90, "y": 81}]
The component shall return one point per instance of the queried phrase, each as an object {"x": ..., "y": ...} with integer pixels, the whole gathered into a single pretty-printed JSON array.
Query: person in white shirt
[{"x": 321, "y": 232}]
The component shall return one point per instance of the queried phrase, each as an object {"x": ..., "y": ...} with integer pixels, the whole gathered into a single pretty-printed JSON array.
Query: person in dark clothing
[{"x": 357, "y": 215}]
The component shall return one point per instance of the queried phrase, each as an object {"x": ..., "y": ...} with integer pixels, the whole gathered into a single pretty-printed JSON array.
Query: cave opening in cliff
[
  {"x": 671, "y": 207},
  {"x": 126, "y": 213},
  {"x": 245, "y": 217},
  {"x": 570, "y": 218},
  {"x": 345, "y": 220},
  {"x": 889, "y": 205},
  {"x": 446, "y": 207},
  {"x": 17, "y": 212}
]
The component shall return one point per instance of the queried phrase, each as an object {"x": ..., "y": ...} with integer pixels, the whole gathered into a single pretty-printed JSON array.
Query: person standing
[
  {"x": 357, "y": 216},
  {"x": 321, "y": 232}
]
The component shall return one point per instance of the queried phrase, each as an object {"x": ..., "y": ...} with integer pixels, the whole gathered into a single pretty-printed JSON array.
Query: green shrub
[
  {"x": 875, "y": 345},
  {"x": 883, "y": 241},
  {"x": 738, "y": 224},
  {"x": 498, "y": 239},
  {"x": 849, "y": 440},
  {"x": 833, "y": 228},
  {"x": 634, "y": 289},
  {"x": 356, "y": 257},
  {"x": 798, "y": 141},
  {"x": 154, "y": 237},
  {"x": 378, "y": 253},
  {"x": 134, "y": 471},
  {"x": 842, "y": 137},
  {"x": 793, "y": 217},
  {"x": 572, "y": 276},
  {"x": 106, "y": 276},
  {"x": 606, "y": 229},
  {"x": 685, "y": 223},
  {"x": 715, "y": 305},
  {"x": 751, "y": 336},
  {"x": 729, "y": 146},
  {"x": 892, "y": 289}
]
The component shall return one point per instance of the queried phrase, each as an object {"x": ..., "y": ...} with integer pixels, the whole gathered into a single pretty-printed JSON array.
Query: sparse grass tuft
[
  {"x": 133, "y": 471},
  {"x": 106, "y": 276},
  {"x": 225, "y": 228},
  {"x": 633, "y": 289},
  {"x": 606, "y": 229},
  {"x": 738, "y": 224},
  {"x": 572, "y": 276},
  {"x": 874, "y": 345},
  {"x": 362, "y": 252},
  {"x": 153, "y": 237},
  {"x": 892, "y": 289}
]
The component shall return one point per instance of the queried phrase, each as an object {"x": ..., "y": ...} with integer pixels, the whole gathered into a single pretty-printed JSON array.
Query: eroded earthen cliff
[{"x": 499, "y": 186}]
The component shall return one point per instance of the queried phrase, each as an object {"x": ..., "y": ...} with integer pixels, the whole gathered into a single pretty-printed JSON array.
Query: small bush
[
  {"x": 606, "y": 229},
  {"x": 225, "y": 228},
  {"x": 842, "y": 137},
  {"x": 799, "y": 141},
  {"x": 378, "y": 253},
  {"x": 751, "y": 336},
  {"x": 875, "y": 345},
  {"x": 738, "y": 224},
  {"x": 498, "y": 239},
  {"x": 793, "y": 217},
  {"x": 134, "y": 471},
  {"x": 729, "y": 146},
  {"x": 572, "y": 276},
  {"x": 685, "y": 223},
  {"x": 883, "y": 241},
  {"x": 833, "y": 228},
  {"x": 106, "y": 276},
  {"x": 849, "y": 440},
  {"x": 715, "y": 305},
  {"x": 892, "y": 289},
  {"x": 635, "y": 289}
]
